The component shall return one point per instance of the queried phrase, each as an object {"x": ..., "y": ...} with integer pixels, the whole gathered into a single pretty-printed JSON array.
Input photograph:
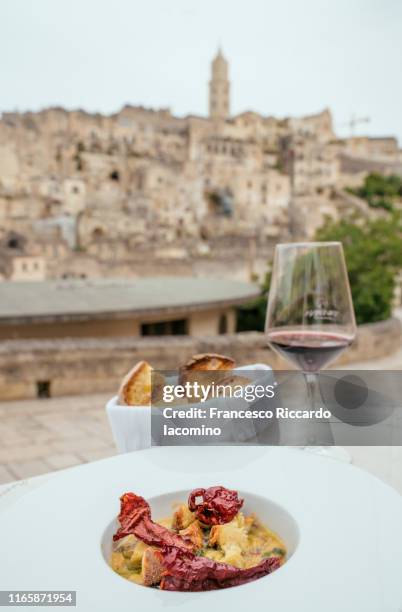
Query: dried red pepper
[
  {"x": 185, "y": 571},
  {"x": 135, "y": 518},
  {"x": 214, "y": 506}
]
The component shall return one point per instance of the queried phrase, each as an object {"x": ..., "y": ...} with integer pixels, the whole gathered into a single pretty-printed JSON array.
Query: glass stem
[
  {"x": 320, "y": 432},
  {"x": 311, "y": 379}
]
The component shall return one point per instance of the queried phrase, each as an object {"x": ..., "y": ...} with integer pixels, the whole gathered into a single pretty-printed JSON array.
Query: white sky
[{"x": 287, "y": 57}]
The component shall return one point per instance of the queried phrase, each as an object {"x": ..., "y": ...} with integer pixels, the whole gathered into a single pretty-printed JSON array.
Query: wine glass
[{"x": 310, "y": 317}]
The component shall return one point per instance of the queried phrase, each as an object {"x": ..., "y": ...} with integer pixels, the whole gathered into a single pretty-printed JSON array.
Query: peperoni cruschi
[
  {"x": 135, "y": 518},
  {"x": 184, "y": 571},
  {"x": 215, "y": 506}
]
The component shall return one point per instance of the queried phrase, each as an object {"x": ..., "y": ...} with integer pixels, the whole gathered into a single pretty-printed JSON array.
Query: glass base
[{"x": 334, "y": 452}]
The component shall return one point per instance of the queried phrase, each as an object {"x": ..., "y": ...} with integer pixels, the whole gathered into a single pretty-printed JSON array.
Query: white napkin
[{"x": 131, "y": 426}]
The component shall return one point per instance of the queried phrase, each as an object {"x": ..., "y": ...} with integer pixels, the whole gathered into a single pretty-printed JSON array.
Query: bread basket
[{"x": 131, "y": 425}]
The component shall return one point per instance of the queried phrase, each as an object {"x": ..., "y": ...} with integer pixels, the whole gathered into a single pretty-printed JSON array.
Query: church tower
[{"x": 219, "y": 88}]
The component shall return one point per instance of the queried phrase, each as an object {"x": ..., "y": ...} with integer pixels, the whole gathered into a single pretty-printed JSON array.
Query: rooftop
[{"x": 115, "y": 298}]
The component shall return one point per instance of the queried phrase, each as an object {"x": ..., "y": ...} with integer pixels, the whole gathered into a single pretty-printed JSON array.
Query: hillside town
[{"x": 142, "y": 192}]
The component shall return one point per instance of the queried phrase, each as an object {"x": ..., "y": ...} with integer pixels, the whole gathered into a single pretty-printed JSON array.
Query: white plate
[{"x": 347, "y": 541}]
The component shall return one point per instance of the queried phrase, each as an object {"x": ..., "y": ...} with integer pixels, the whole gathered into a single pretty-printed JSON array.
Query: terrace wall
[{"x": 83, "y": 365}]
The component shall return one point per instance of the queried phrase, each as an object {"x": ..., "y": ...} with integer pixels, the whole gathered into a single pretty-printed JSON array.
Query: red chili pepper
[
  {"x": 135, "y": 518},
  {"x": 184, "y": 571},
  {"x": 214, "y": 506}
]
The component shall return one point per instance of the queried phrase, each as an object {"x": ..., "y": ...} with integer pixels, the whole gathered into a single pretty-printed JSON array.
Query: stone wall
[{"x": 82, "y": 366}]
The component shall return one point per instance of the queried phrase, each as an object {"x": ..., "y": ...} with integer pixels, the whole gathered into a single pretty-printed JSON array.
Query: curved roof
[{"x": 116, "y": 298}]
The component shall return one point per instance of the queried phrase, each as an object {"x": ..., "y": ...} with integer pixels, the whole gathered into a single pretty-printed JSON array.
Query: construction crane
[{"x": 351, "y": 124}]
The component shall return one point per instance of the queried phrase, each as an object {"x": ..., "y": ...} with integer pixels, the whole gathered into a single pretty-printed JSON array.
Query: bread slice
[
  {"x": 152, "y": 567},
  {"x": 209, "y": 361},
  {"x": 136, "y": 386},
  {"x": 204, "y": 362},
  {"x": 193, "y": 533},
  {"x": 182, "y": 517}
]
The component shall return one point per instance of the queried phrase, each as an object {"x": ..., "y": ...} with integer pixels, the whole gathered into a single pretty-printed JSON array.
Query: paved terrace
[{"x": 39, "y": 436}]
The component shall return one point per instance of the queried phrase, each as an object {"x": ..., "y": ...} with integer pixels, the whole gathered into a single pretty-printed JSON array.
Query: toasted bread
[
  {"x": 152, "y": 567},
  {"x": 182, "y": 517},
  {"x": 193, "y": 533},
  {"x": 136, "y": 387},
  {"x": 205, "y": 362}
]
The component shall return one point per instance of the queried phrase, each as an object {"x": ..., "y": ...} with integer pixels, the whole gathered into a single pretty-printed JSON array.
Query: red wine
[{"x": 309, "y": 351}]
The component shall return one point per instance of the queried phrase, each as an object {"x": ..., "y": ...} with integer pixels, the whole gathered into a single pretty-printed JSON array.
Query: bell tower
[{"x": 219, "y": 88}]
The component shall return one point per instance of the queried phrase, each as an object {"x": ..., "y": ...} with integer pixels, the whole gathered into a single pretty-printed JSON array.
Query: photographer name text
[{"x": 197, "y": 394}]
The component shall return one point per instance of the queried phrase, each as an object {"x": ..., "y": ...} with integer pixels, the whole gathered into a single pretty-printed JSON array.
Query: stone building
[
  {"x": 377, "y": 148},
  {"x": 17, "y": 262},
  {"x": 121, "y": 308},
  {"x": 360, "y": 155}
]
